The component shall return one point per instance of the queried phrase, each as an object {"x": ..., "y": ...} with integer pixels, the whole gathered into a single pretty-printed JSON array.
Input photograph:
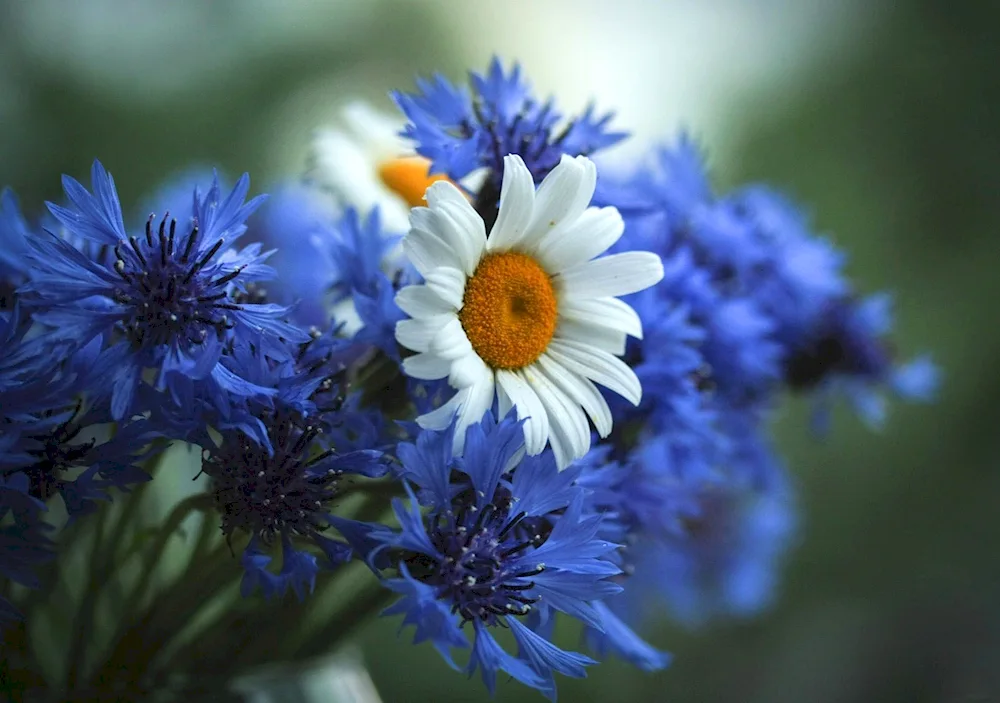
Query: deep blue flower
[
  {"x": 24, "y": 543},
  {"x": 173, "y": 195},
  {"x": 358, "y": 248},
  {"x": 28, "y": 367},
  {"x": 461, "y": 131},
  {"x": 51, "y": 433},
  {"x": 707, "y": 543},
  {"x": 767, "y": 293},
  {"x": 799, "y": 273},
  {"x": 504, "y": 544},
  {"x": 332, "y": 266},
  {"x": 846, "y": 353},
  {"x": 69, "y": 452},
  {"x": 279, "y": 487},
  {"x": 14, "y": 234},
  {"x": 363, "y": 293},
  {"x": 170, "y": 300},
  {"x": 620, "y": 639},
  {"x": 298, "y": 222},
  {"x": 378, "y": 314}
]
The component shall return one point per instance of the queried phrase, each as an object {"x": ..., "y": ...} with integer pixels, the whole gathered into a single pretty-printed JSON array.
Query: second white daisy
[{"x": 529, "y": 315}]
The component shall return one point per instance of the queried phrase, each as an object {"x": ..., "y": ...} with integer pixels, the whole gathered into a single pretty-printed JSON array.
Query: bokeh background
[{"x": 882, "y": 117}]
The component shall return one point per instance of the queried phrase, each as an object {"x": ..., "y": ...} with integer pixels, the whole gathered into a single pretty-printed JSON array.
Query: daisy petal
[
  {"x": 581, "y": 390},
  {"x": 467, "y": 241},
  {"x": 610, "y": 340},
  {"x": 467, "y": 370},
  {"x": 563, "y": 195},
  {"x": 604, "y": 312},
  {"x": 566, "y": 419},
  {"x": 446, "y": 198},
  {"x": 450, "y": 341},
  {"x": 591, "y": 235},
  {"x": 504, "y": 403},
  {"x": 418, "y": 335},
  {"x": 440, "y": 418},
  {"x": 599, "y": 366},
  {"x": 421, "y": 301},
  {"x": 615, "y": 275},
  {"x": 517, "y": 200},
  {"x": 425, "y": 250},
  {"x": 476, "y": 404},
  {"x": 448, "y": 283},
  {"x": 529, "y": 409},
  {"x": 427, "y": 367}
]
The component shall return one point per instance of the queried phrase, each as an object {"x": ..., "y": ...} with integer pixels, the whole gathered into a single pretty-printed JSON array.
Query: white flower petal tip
[{"x": 530, "y": 316}]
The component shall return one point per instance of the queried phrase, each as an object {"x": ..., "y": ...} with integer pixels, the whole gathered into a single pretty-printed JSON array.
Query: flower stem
[
  {"x": 84, "y": 621},
  {"x": 365, "y": 605},
  {"x": 129, "y": 610}
]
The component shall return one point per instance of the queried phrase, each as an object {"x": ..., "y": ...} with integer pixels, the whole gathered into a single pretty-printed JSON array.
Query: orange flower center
[
  {"x": 509, "y": 310},
  {"x": 408, "y": 177}
]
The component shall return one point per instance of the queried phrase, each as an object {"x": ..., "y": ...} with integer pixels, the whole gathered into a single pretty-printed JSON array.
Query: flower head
[
  {"x": 296, "y": 223},
  {"x": 364, "y": 163},
  {"x": 845, "y": 352},
  {"x": 24, "y": 543},
  {"x": 168, "y": 298},
  {"x": 528, "y": 315},
  {"x": 14, "y": 235},
  {"x": 504, "y": 544},
  {"x": 705, "y": 543},
  {"x": 277, "y": 482},
  {"x": 461, "y": 132}
]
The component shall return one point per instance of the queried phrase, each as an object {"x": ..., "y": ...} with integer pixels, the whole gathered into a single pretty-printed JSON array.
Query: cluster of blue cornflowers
[{"x": 283, "y": 366}]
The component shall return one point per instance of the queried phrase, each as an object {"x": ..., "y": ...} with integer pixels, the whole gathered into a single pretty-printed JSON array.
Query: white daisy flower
[
  {"x": 528, "y": 315},
  {"x": 366, "y": 164}
]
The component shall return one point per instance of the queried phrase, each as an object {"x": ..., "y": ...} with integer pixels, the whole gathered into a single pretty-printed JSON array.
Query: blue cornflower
[
  {"x": 358, "y": 248},
  {"x": 23, "y": 540},
  {"x": 332, "y": 266},
  {"x": 170, "y": 300},
  {"x": 14, "y": 234},
  {"x": 845, "y": 352},
  {"x": 768, "y": 293},
  {"x": 706, "y": 544},
  {"x": 66, "y": 451},
  {"x": 710, "y": 258},
  {"x": 800, "y": 273},
  {"x": 50, "y": 432},
  {"x": 173, "y": 195},
  {"x": 461, "y": 131},
  {"x": 279, "y": 487},
  {"x": 298, "y": 222},
  {"x": 28, "y": 366},
  {"x": 504, "y": 543}
]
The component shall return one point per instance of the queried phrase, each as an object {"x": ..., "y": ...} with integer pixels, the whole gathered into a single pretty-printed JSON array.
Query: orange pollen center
[
  {"x": 408, "y": 177},
  {"x": 509, "y": 310}
]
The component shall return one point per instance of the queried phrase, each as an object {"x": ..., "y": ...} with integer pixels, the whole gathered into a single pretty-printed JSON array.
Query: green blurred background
[{"x": 883, "y": 118}]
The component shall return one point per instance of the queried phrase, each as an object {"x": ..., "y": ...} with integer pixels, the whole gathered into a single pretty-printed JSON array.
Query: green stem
[
  {"x": 365, "y": 605},
  {"x": 177, "y": 516},
  {"x": 385, "y": 488},
  {"x": 84, "y": 622},
  {"x": 140, "y": 639}
]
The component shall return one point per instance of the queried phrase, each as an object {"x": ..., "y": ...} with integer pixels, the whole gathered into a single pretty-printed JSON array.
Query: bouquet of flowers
[{"x": 460, "y": 374}]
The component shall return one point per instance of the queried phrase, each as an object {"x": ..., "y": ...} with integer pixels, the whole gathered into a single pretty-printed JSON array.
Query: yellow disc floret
[
  {"x": 509, "y": 310},
  {"x": 409, "y": 177}
]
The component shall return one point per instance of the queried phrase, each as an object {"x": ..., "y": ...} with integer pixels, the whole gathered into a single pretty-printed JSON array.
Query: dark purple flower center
[
  {"x": 54, "y": 456},
  {"x": 838, "y": 347},
  {"x": 266, "y": 494},
  {"x": 477, "y": 572},
  {"x": 165, "y": 290}
]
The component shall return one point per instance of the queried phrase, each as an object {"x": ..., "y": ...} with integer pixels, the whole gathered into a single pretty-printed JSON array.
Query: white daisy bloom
[
  {"x": 528, "y": 315},
  {"x": 366, "y": 164}
]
